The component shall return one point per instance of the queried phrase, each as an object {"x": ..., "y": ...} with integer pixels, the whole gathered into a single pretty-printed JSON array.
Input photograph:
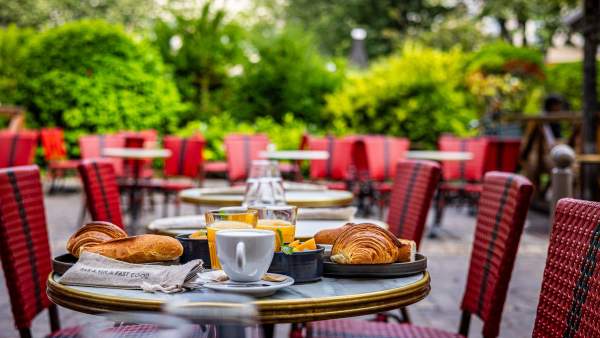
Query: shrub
[
  {"x": 13, "y": 41},
  {"x": 284, "y": 74},
  {"x": 89, "y": 76},
  {"x": 417, "y": 93},
  {"x": 566, "y": 79}
]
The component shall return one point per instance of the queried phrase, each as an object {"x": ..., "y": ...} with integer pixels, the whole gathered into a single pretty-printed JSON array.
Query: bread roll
[
  {"x": 328, "y": 236},
  {"x": 366, "y": 243},
  {"x": 93, "y": 233},
  {"x": 140, "y": 249},
  {"x": 407, "y": 252}
]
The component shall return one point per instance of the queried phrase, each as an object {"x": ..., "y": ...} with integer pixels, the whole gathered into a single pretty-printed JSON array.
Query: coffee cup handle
[{"x": 240, "y": 255}]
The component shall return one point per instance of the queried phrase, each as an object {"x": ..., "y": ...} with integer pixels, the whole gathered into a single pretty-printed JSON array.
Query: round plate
[
  {"x": 262, "y": 289},
  {"x": 419, "y": 265}
]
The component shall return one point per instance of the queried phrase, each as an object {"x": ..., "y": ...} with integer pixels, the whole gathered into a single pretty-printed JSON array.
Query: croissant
[
  {"x": 328, "y": 236},
  {"x": 366, "y": 243},
  {"x": 139, "y": 249},
  {"x": 93, "y": 233}
]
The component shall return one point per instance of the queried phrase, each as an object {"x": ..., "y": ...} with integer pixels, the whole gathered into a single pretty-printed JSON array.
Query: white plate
[{"x": 264, "y": 289}]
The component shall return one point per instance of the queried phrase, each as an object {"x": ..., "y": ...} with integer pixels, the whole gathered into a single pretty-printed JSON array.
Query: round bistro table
[
  {"x": 437, "y": 155},
  {"x": 298, "y": 155},
  {"x": 327, "y": 299},
  {"x": 303, "y": 199}
]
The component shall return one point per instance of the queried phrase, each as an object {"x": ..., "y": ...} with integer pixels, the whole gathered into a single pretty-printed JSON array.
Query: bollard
[{"x": 563, "y": 157}]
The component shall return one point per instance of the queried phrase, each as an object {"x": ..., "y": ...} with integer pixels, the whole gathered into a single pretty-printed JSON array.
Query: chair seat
[
  {"x": 136, "y": 330},
  {"x": 335, "y": 185},
  {"x": 215, "y": 167},
  {"x": 288, "y": 167},
  {"x": 63, "y": 165},
  {"x": 470, "y": 187},
  {"x": 354, "y": 328},
  {"x": 383, "y": 187}
]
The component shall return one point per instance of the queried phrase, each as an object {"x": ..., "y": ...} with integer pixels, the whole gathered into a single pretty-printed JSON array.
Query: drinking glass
[
  {"x": 264, "y": 185},
  {"x": 280, "y": 219},
  {"x": 226, "y": 218}
]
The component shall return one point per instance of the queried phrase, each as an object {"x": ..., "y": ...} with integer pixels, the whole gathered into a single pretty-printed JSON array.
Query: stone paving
[{"x": 448, "y": 259}]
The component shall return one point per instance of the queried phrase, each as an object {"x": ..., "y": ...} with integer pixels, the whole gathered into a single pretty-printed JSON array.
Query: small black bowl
[
  {"x": 194, "y": 249},
  {"x": 303, "y": 267}
]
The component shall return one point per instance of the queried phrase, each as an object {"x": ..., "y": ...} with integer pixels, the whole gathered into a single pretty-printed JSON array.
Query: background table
[
  {"x": 295, "y": 155},
  {"x": 327, "y": 299},
  {"x": 436, "y": 155},
  {"x": 305, "y": 229},
  {"x": 303, "y": 199}
]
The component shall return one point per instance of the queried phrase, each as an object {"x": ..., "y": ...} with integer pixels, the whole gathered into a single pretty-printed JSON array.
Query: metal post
[{"x": 563, "y": 157}]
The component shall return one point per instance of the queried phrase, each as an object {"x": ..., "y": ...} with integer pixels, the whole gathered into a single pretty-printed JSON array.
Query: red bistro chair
[
  {"x": 185, "y": 162},
  {"x": 55, "y": 153},
  {"x": 24, "y": 247},
  {"x": 140, "y": 139},
  {"x": 17, "y": 149},
  {"x": 461, "y": 180},
  {"x": 101, "y": 190},
  {"x": 91, "y": 146},
  {"x": 335, "y": 171},
  {"x": 502, "y": 154},
  {"x": 241, "y": 150},
  {"x": 569, "y": 300},
  {"x": 501, "y": 215}
]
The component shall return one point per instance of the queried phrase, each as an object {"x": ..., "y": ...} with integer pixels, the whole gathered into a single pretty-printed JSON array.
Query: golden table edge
[
  {"x": 270, "y": 311},
  {"x": 334, "y": 202}
]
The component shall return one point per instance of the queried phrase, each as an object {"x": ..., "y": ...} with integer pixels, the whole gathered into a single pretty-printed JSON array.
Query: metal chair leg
[
  {"x": 165, "y": 204},
  {"x": 25, "y": 333},
  {"x": 82, "y": 212},
  {"x": 54, "y": 318},
  {"x": 405, "y": 315}
]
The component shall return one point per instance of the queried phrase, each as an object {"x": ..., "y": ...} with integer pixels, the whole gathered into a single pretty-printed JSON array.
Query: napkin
[
  {"x": 342, "y": 214},
  {"x": 219, "y": 276},
  {"x": 181, "y": 222},
  {"x": 96, "y": 270}
]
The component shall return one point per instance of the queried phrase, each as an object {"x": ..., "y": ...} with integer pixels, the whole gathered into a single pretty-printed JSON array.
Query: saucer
[{"x": 259, "y": 288}]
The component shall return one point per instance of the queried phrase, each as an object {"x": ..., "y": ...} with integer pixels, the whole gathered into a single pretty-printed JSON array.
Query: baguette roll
[{"x": 140, "y": 249}]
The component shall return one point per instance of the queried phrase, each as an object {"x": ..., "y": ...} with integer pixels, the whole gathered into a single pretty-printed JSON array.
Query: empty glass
[{"x": 264, "y": 185}]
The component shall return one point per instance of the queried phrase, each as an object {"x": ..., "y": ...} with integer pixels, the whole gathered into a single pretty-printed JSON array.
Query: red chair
[
  {"x": 55, "y": 153},
  {"x": 185, "y": 162},
  {"x": 101, "y": 190},
  {"x": 502, "y": 154},
  {"x": 461, "y": 179},
  {"x": 24, "y": 247},
  {"x": 140, "y": 139},
  {"x": 569, "y": 300},
  {"x": 335, "y": 171},
  {"x": 502, "y": 210},
  {"x": 91, "y": 146},
  {"x": 241, "y": 150},
  {"x": 17, "y": 149}
]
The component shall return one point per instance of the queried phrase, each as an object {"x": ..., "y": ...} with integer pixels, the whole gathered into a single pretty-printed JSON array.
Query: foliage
[
  {"x": 285, "y": 135},
  {"x": 284, "y": 74},
  {"x": 89, "y": 76},
  {"x": 13, "y": 42},
  {"x": 566, "y": 79},
  {"x": 386, "y": 21},
  {"x": 417, "y": 94},
  {"x": 201, "y": 51}
]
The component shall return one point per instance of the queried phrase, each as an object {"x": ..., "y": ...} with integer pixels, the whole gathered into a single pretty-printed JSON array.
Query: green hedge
[
  {"x": 566, "y": 79},
  {"x": 90, "y": 76}
]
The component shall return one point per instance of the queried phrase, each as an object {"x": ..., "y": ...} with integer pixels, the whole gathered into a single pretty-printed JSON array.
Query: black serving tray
[{"x": 331, "y": 269}]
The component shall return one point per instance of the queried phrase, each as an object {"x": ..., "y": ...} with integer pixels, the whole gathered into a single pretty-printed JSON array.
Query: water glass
[{"x": 264, "y": 185}]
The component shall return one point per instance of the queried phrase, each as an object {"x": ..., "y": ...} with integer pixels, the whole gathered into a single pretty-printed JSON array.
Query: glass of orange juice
[
  {"x": 280, "y": 219},
  {"x": 226, "y": 218}
]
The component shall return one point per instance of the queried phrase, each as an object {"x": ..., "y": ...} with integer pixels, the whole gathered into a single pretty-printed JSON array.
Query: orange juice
[
  {"x": 211, "y": 234},
  {"x": 288, "y": 230}
]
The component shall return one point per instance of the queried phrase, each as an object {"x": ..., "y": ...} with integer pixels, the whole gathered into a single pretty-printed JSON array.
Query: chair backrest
[
  {"x": 24, "y": 247},
  {"x": 378, "y": 155},
  {"x": 503, "y": 207},
  {"x": 241, "y": 150},
  {"x": 569, "y": 301},
  {"x": 17, "y": 149},
  {"x": 410, "y": 199},
  {"x": 186, "y": 156},
  {"x": 502, "y": 154},
  {"x": 101, "y": 190},
  {"x": 91, "y": 146},
  {"x": 337, "y": 166},
  {"x": 53, "y": 144},
  {"x": 471, "y": 170}
]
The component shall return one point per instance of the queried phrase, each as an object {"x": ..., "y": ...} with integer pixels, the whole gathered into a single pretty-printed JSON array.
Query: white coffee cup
[{"x": 245, "y": 254}]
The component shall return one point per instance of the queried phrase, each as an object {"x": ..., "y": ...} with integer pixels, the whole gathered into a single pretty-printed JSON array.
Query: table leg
[
  {"x": 268, "y": 330},
  {"x": 134, "y": 205}
]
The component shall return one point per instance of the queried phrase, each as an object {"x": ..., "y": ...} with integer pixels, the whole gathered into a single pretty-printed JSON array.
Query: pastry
[
  {"x": 328, "y": 236},
  {"x": 93, "y": 233},
  {"x": 408, "y": 251},
  {"x": 139, "y": 249},
  {"x": 366, "y": 243}
]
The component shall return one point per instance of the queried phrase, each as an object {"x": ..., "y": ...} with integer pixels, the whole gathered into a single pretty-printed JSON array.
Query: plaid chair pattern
[
  {"x": 241, "y": 150},
  {"x": 101, "y": 190},
  {"x": 17, "y": 149},
  {"x": 502, "y": 210},
  {"x": 336, "y": 169},
  {"x": 24, "y": 247},
  {"x": 570, "y": 301}
]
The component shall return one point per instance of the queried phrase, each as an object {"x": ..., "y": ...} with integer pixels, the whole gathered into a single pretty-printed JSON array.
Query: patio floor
[{"x": 448, "y": 259}]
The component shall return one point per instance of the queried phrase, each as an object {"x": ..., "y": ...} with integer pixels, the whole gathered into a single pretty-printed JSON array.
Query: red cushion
[
  {"x": 352, "y": 328},
  {"x": 215, "y": 167},
  {"x": 336, "y": 185},
  {"x": 64, "y": 165},
  {"x": 288, "y": 167},
  {"x": 172, "y": 185},
  {"x": 383, "y": 187}
]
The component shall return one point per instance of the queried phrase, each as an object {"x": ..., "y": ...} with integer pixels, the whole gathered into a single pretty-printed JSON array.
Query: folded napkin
[
  {"x": 181, "y": 222},
  {"x": 95, "y": 270},
  {"x": 342, "y": 214}
]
